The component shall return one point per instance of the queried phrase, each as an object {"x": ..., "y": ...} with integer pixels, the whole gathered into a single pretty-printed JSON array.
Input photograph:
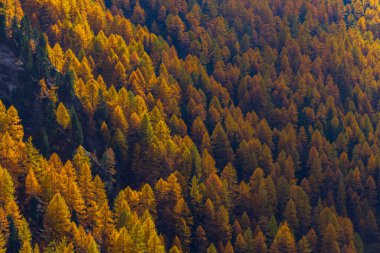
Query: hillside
[
  {"x": 10, "y": 71},
  {"x": 189, "y": 126}
]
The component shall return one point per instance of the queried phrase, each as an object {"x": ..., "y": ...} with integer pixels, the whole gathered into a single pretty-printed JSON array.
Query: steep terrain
[
  {"x": 189, "y": 126},
  {"x": 10, "y": 71}
]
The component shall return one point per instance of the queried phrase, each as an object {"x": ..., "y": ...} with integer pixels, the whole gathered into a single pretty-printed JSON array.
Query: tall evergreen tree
[
  {"x": 221, "y": 147},
  {"x": 66, "y": 90},
  {"x": 41, "y": 57},
  {"x": 77, "y": 131},
  {"x": 14, "y": 242}
]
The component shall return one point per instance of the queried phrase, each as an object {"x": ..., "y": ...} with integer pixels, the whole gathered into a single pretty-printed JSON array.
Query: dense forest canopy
[{"x": 190, "y": 126}]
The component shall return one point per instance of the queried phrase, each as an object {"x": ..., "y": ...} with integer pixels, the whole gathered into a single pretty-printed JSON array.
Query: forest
[{"x": 186, "y": 126}]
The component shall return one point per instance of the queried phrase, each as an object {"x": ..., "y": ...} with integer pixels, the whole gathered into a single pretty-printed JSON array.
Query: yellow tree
[
  {"x": 70, "y": 191},
  {"x": 56, "y": 56},
  {"x": 6, "y": 187},
  {"x": 86, "y": 184},
  {"x": 63, "y": 116},
  {"x": 32, "y": 185},
  {"x": 26, "y": 248},
  {"x": 79, "y": 237},
  {"x": 10, "y": 155},
  {"x": 92, "y": 247},
  {"x": 118, "y": 119},
  {"x": 123, "y": 242},
  {"x": 155, "y": 245},
  {"x": 284, "y": 241},
  {"x": 3, "y": 243},
  {"x": 4, "y": 223},
  {"x": 92, "y": 96},
  {"x": 120, "y": 76},
  {"x": 104, "y": 226},
  {"x": 57, "y": 219},
  {"x": 15, "y": 129}
]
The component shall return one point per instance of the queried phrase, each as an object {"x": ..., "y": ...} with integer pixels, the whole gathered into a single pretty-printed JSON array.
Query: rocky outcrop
[{"x": 10, "y": 70}]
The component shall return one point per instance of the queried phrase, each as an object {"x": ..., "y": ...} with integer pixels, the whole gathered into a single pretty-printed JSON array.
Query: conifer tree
[
  {"x": 259, "y": 244},
  {"x": 42, "y": 58},
  {"x": 221, "y": 147},
  {"x": 200, "y": 240},
  {"x": 108, "y": 170},
  {"x": 174, "y": 249},
  {"x": 329, "y": 242},
  {"x": 6, "y": 187},
  {"x": 146, "y": 131},
  {"x": 122, "y": 244},
  {"x": 92, "y": 247},
  {"x": 119, "y": 145},
  {"x": 26, "y": 248},
  {"x": 67, "y": 89},
  {"x": 212, "y": 249},
  {"x": 32, "y": 185},
  {"x": 154, "y": 244},
  {"x": 57, "y": 219},
  {"x": 291, "y": 215},
  {"x": 272, "y": 227},
  {"x": 229, "y": 248},
  {"x": 284, "y": 240},
  {"x": 303, "y": 245},
  {"x": 3, "y": 243},
  {"x": 77, "y": 131},
  {"x": 50, "y": 121},
  {"x": 42, "y": 142},
  {"x": 63, "y": 117},
  {"x": 14, "y": 242}
]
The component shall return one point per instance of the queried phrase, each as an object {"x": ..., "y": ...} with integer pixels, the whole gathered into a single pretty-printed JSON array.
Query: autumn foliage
[{"x": 191, "y": 126}]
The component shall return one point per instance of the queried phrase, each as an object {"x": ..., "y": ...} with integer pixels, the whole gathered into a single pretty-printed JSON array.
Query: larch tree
[
  {"x": 200, "y": 241},
  {"x": 208, "y": 166},
  {"x": 221, "y": 147},
  {"x": 122, "y": 243},
  {"x": 3, "y": 243},
  {"x": 92, "y": 247},
  {"x": 32, "y": 185},
  {"x": 26, "y": 248},
  {"x": 57, "y": 219},
  {"x": 284, "y": 241},
  {"x": 259, "y": 244},
  {"x": 291, "y": 215},
  {"x": 303, "y": 245},
  {"x": 212, "y": 249},
  {"x": 6, "y": 187},
  {"x": 108, "y": 170},
  {"x": 229, "y": 248},
  {"x": 229, "y": 174},
  {"x": 63, "y": 116},
  {"x": 329, "y": 242}
]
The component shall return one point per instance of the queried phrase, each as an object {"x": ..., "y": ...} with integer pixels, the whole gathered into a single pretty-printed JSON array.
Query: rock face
[{"x": 10, "y": 70}]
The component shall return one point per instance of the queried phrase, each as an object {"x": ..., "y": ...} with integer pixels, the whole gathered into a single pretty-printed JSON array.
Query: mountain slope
[
  {"x": 220, "y": 126},
  {"x": 10, "y": 68}
]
